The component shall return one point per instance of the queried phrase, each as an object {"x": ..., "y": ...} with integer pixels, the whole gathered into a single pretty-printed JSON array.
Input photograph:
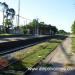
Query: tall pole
[
  {"x": 37, "y": 28},
  {"x": 3, "y": 20},
  {"x": 18, "y": 12}
]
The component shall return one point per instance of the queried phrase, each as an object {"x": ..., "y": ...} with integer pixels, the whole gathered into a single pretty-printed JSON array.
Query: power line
[
  {"x": 20, "y": 17},
  {"x": 24, "y": 17}
]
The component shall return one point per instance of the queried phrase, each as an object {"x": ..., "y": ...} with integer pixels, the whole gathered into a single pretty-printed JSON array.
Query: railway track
[
  {"x": 8, "y": 61},
  {"x": 9, "y": 47},
  {"x": 6, "y": 55}
]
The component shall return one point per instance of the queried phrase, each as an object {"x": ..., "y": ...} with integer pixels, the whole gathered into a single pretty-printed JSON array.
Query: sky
[{"x": 60, "y": 13}]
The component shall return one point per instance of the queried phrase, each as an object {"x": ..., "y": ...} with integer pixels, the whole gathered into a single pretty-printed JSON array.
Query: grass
[
  {"x": 36, "y": 53},
  {"x": 39, "y": 55},
  {"x": 11, "y": 35},
  {"x": 32, "y": 56},
  {"x": 73, "y": 44},
  {"x": 6, "y": 34}
]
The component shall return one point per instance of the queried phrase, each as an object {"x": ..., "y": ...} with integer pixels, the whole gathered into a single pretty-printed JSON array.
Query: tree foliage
[
  {"x": 4, "y": 6},
  {"x": 62, "y": 32},
  {"x": 24, "y": 29},
  {"x": 40, "y": 27},
  {"x": 73, "y": 28},
  {"x": 8, "y": 15},
  {"x": 8, "y": 24}
]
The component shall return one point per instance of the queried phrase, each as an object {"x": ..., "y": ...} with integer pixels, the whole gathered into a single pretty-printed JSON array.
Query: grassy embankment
[
  {"x": 31, "y": 56},
  {"x": 73, "y": 43},
  {"x": 35, "y": 54}
]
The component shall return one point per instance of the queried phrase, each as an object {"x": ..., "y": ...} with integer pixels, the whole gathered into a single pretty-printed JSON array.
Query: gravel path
[
  {"x": 60, "y": 58},
  {"x": 61, "y": 54}
]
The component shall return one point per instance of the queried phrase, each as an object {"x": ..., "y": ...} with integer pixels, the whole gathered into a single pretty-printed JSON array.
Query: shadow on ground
[
  {"x": 67, "y": 56},
  {"x": 53, "y": 65}
]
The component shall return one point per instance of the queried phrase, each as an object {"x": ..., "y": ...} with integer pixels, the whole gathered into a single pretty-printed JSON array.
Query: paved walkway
[
  {"x": 61, "y": 54},
  {"x": 60, "y": 58}
]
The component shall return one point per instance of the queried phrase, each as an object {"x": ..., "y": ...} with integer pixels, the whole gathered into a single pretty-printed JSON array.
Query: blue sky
[{"x": 60, "y": 13}]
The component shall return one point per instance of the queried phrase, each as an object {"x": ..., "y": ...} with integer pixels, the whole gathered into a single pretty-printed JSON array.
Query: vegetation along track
[
  {"x": 9, "y": 47},
  {"x": 25, "y": 58},
  {"x": 12, "y": 46}
]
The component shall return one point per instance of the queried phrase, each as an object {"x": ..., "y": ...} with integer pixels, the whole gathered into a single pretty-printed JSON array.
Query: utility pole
[
  {"x": 18, "y": 21},
  {"x": 18, "y": 12},
  {"x": 37, "y": 28},
  {"x": 3, "y": 20}
]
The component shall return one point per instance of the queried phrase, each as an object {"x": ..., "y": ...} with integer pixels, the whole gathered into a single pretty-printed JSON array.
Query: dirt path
[
  {"x": 59, "y": 58},
  {"x": 62, "y": 53}
]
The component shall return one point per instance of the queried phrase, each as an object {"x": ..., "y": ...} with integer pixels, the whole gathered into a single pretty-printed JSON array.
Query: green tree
[
  {"x": 73, "y": 28},
  {"x": 24, "y": 29},
  {"x": 41, "y": 28},
  {"x": 33, "y": 26},
  {"x": 8, "y": 25},
  {"x": 4, "y": 8},
  {"x": 62, "y": 32},
  {"x": 54, "y": 30},
  {"x": 10, "y": 13}
]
